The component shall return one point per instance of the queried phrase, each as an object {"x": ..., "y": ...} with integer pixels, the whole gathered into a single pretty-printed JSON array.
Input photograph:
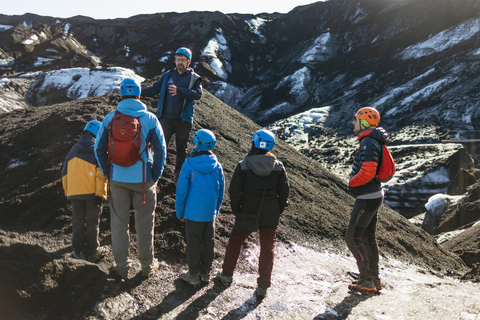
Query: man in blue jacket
[
  {"x": 199, "y": 196},
  {"x": 135, "y": 184},
  {"x": 177, "y": 91}
]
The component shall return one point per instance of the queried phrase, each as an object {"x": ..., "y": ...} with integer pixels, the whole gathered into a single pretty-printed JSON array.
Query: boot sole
[{"x": 361, "y": 289}]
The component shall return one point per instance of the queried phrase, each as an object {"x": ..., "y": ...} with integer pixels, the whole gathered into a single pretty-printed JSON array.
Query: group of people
[{"x": 125, "y": 154}]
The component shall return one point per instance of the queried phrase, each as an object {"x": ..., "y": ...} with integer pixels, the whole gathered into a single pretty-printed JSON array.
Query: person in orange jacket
[
  {"x": 368, "y": 193},
  {"x": 85, "y": 186}
]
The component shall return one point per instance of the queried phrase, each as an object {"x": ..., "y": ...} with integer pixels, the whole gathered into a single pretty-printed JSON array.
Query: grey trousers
[
  {"x": 85, "y": 221},
  {"x": 122, "y": 196},
  {"x": 200, "y": 245}
]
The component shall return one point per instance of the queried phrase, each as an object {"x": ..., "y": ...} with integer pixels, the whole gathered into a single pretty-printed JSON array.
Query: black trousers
[
  {"x": 182, "y": 133},
  {"x": 200, "y": 238},
  {"x": 363, "y": 226}
]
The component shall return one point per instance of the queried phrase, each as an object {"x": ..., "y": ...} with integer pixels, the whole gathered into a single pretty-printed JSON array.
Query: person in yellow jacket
[{"x": 85, "y": 186}]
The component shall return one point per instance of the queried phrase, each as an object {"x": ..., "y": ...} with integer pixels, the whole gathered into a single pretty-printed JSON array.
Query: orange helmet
[{"x": 370, "y": 115}]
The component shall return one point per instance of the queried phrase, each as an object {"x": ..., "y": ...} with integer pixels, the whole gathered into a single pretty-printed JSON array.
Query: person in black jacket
[
  {"x": 258, "y": 171},
  {"x": 369, "y": 196}
]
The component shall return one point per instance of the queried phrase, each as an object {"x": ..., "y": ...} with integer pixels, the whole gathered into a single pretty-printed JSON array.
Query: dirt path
[{"x": 308, "y": 284}]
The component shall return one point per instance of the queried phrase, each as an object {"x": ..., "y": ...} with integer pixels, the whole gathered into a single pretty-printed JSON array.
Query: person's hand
[
  {"x": 172, "y": 89},
  {"x": 183, "y": 219}
]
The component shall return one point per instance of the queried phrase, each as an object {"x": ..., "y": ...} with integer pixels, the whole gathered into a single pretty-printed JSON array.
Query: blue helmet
[
  {"x": 264, "y": 139},
  {"x": 185, "y": 51},
  {"x": 204, "y": 140},
  {"x": 130, "y": 87},
  {"x": 93, "y": 126}
]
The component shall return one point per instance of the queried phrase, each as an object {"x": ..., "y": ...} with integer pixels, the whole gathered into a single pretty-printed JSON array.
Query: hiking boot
[
  {"x": 225, "y": 280},
  {"x": 79, "y": 256},
  {"x": 194, "y": 280},
  {"x": 101, "y": 252},
  {"x": 377, "y": 284},
  {"x": 362, "y": 285},
  {"x": 205, "y": 277},
  {"x": 121, "y": 273},
  {"x": 261, "y": 293},
  {"x": 152, "y": 269}
]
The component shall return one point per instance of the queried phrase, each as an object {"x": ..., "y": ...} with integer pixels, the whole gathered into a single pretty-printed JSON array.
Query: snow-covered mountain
[{"x": 416, "y": 60}]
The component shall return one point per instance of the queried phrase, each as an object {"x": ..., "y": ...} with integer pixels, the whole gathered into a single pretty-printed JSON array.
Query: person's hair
[
  {"x": 130, "y": 97},
  {"x": 255, "y": 150}
]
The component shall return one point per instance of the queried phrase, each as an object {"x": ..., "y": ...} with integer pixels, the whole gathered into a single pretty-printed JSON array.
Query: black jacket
[
  {"x": 369, "y": 150},
  {"x": 251, "y": 176}
]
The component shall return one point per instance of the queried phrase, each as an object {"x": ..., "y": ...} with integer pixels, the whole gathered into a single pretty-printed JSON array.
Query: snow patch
[
  {"x": 82, "y": 82},
  {"x": 33, "y": 38},
  {"x": 66, "y": 28},
  {"x": 4, "y": 27},
  {"x": 219, "y": 54},
  {"x": 443, "y": 40},
  {"x": 7, "y": 62},
  {"x": 254, "y": 26},
  {"x": 296, "y": 81},
  {"x": 319, "y": 51},
  {"x": 297, "y": 127},
  {"x": 437, "y": 204},
  {"x": 44, "y": 61},
  {"x": 361, "y": 80},
  {"x": 427, "y": 91}
]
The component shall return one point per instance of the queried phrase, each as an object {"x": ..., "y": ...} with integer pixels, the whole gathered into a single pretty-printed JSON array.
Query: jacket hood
[
  {"x": 132, "y": 107},
  {"x": 262, "y": 164},
  {"x": 85, "y": 144},
  {"x": 377, "y": 133},
  {"x": 204, "y": 163}
]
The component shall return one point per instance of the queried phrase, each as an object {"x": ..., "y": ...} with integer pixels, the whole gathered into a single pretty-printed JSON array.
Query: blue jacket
[
  {"x": 189, "y": 89},
  {"x": 151, "y": 132},
  {"x": 200, "y": 188}
]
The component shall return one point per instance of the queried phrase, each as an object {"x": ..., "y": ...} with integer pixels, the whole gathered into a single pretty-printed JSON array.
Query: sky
[{"x": 124, "y": 9}]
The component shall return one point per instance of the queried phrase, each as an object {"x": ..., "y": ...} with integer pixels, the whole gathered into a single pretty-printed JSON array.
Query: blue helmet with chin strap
[
  {"x": 93, "y": 126},
  {"x": 264, "y": 139},
  {"x": 130, "y": 87},
  {"x": 204, "y": 140},
  {"x": 185, "y": 51}
]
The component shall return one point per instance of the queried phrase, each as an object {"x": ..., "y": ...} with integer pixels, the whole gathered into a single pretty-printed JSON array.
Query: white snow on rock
[
  {"x": 5, "y": 63},
  {"x": 296, "y": 81},
  {"x": 4, "y": 27},
  {"x": 33, "y": 38},
  {"x": 400, "y": 90},
  {"x": 82, "y": 82},
  {"x": 66, "y": 28},
  {"x": 45, "y": 61},
  {"x": 255, "y": 25},
  {"x": 320, "y": 50},
  {"x": 427, "y": 91},
  {"x": 361, "y": 80},
  {"x": 297, "y": 127},
  {"x": 438, "y": 203},
  {"x": 219, "y": 55},
  {"x": 443, "y": 40},
  {"x": 227, "y": 92}
]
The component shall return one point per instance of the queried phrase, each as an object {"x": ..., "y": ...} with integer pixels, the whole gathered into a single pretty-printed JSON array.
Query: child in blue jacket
[{"x": 199, "y": 196}]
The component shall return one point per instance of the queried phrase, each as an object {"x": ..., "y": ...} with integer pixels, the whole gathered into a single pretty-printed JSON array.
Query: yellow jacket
[{"x": 81, "y": 176}]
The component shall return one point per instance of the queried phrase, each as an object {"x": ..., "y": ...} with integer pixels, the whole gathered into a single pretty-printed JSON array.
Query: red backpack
[
  {"x": 386, "y": 168},
  {"x": 124, "y": 140}
]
